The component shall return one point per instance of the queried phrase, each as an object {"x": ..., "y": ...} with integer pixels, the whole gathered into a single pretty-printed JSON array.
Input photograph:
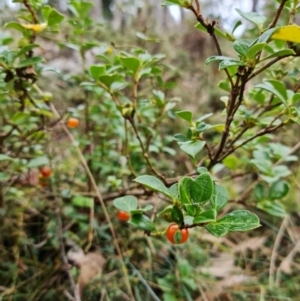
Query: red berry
[
  {"x": 72, "y": 122},
  {"x": 46, "y": 171},
  {"x": 123, "y": 216},
  {"x": 173, "y": 229}
]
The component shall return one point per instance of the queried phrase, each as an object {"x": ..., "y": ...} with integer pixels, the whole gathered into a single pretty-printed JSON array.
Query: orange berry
[
  {"x": 72, "y": 122},
  {"x": 123, "y": 216},
  {"x": 46, "y": 171},
  {"x": 171, "y": 232}
]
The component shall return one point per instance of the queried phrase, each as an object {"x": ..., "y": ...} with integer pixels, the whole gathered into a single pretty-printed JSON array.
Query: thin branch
[
  {"x": 198, "y": 9},
  {"x": 145, "y": 154},
  {"x": 260, "y": 133},
  {"x": 274, "y": 252},
  {"x": 209, "y": 26},
  {"x": 278, "y": 13},
  {"x": 269, "y": 64},
  {"x": 100, "y": 200},
  {"x": 64, "y": 256}
]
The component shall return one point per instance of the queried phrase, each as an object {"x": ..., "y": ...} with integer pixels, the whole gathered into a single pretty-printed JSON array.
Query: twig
[
  {"x": 100, "y": 200},
  {"x": 209, "y": 26},
  {"x": 274, "y": 252},
  {"x": 278, "y": 13},
  {"x": 198, "y": 9},
  {"x": 269, "y": 64},
  {"x": 32, "y": 12},
  {"x": 260, "y": 133},
  {"x": 288, "y": 258},
  {"x": 145, "y": 154},
  {"x": 64, "y": 256}
]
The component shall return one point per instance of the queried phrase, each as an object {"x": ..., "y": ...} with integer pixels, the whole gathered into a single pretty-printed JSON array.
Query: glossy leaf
[
  {"x": 276, "y": 87},
  {"x": 126, "y": 203},
  {"x": 154, "y": 184},
  {"x": 284, "y": 52},
  {"x": 278, "y": 190},
  {"x": 255, "y": 49},
  {"x": 239, "y": 220},
  {"x": 253, "y": 17},
  {"x": 206, "y": 188},
  {"x": 274, "y": 208},
  {"x": 82, "y": 201},
  {"x": 241, "y": 47},
  {"x": 171, "y": 2},
  {"x": 185, "y": 115},
  {"x": 166, "y": 214},
  {"x": 259, "y": 192},
  {"x": 216, "y": 58},
  {"x": 97, "y": 70},
  {"x": 54, "y": 18},
  {"x": 131, "y": 63},
  {"x": 219, "y": 197},
  {"x": 31, "y": 61},
  {"x": 192, "y": 148},
  {"x": 207, "y": 216},
  {"x": 142, "y": 222},
  {"x": 185, "y": 186},
  {"x": 229, "y": 63},
  {"x": 177, "y": 215},
  {"x": 39, "y": 161}
]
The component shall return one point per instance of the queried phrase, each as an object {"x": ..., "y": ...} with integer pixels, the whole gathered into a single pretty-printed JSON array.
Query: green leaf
[
  {"x": 185, "y": 186},
  {"x": 239, "y": 220},
  {"x": 32, "y": 61},
  {"x": 185, "y": 115},
  {"x": 237, "y": 24},
  {"x": 39, "y": 161},
  {"x": 259, "y": 192},
  {"x": 97, "y": 70},
  {"x": 82, "y": 201},
  {"x": 274, "y": 208},
  {"x": 219, "y": 197},
  {"x": 54, "y": 18},
  {"x": 207, "y": 216},
  {"x": 217, "y": 230},
  {"x": 229, "y": 63},
  {"x": 108, "y": 80},
  {"x": 276, "y": 87},
  {"x": 278, "y": 190},
  {"x": 177, "y": 237},
  {"x": 126, "y": 203},
  {"x": 192, "y": 193},
  {"x": 177, "y": 215},
  {"x": 131, "y": 63},
  {"x": 255, "y": 49},
  {"x": 16, "y": 26},
  {"x": 166, "y": 214},
  {"x": 206, "y": 185},
  {"x": 171, "y": 2},
  {"x": 253, "y": 17},
  {"x": 266, "y": 36},
  {"x": 142, "y": 222},
  {"x": 217, "y": 58},
  {"x": 5, "y": 158},
  {"x": 241, "y": 47},
  {"x": 174, "y": 191},
  {"x": 192, "y": 148},
  {"x": 147, "y": 208},
  {"x": 154, "y": 184},
  {"x": 284, "y": 52}
]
